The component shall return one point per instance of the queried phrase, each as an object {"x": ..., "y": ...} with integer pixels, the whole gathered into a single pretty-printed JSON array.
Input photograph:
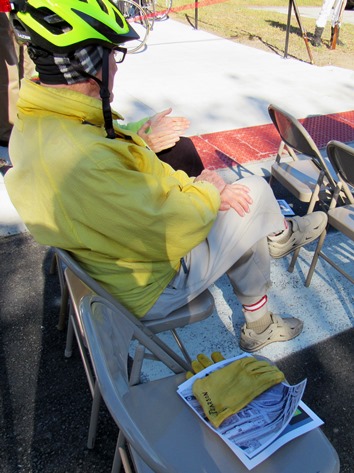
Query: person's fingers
[
  {"x": 236, "y": 197},
  {"x": 160, "y": 116}
]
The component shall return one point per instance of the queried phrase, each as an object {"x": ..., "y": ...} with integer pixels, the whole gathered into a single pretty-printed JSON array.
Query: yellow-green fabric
[
  {"x": 228, "y": 390},
  {"x": 126, "y": 216},
  {"x": 134, "y": 126}
]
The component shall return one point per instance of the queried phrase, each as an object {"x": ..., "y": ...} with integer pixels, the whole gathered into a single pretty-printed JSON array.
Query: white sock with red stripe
[{"x": 257, "y": 315}]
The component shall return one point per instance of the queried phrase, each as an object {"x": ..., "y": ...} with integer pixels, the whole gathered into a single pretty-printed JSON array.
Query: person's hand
[
  {"x": 162, "y": 132},
  {"x": 213, "y": 178},
  {"x": 234, "y": 195}
]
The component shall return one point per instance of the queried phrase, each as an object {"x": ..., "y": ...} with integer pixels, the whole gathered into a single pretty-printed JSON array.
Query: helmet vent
[
  {"x": 103, "y": 6},
  {"x": 119, "y": 19},
  {"x": 51, "y": 21}
]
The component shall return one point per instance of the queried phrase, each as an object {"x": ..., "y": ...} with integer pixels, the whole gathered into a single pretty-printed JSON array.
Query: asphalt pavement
[{"x": 219, "y": 85}]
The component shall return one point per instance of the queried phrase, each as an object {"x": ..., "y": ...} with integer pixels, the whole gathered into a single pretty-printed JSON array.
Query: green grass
[{"x": 238, "y": 21}]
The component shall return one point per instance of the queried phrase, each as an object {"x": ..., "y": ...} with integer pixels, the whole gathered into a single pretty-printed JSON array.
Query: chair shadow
[{"x": 63, "y": 400}]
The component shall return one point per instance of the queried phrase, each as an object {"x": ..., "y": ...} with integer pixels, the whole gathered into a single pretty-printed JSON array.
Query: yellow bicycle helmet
[{"x": 61, "y": 26}]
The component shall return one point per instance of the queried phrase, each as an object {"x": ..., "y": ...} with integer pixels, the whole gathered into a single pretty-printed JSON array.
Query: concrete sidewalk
[{"x": 221, "y": 86}]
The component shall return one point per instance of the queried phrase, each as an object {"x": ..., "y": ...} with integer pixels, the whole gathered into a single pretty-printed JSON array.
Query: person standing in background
[
  {"x": 336, "y": 6},
  {"x": 14, "y": 65}
]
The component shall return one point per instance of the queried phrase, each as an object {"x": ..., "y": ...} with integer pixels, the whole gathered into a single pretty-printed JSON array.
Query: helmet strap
[{"x": 104, "y": 94}]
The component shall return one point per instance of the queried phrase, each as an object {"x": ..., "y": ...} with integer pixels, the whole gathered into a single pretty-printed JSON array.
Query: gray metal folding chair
[
  {"x": 339, "y": 217},
  {"x": 80, "y": 284},
  {"x": 161, "y": 432},
  {"x": 299, "y": 165}
]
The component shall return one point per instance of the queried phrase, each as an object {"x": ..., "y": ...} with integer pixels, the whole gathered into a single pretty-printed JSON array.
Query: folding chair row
[{"x": 162, "y": 433}]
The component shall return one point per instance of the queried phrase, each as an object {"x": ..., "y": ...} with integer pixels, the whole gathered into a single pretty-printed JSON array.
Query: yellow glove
[
  {"x": 203, "y": 361},
  {"x": 227, "y": 390}
]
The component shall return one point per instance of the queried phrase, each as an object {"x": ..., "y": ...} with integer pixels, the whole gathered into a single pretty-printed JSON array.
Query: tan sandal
[
  {"x": 281, "y": 330},
  {"x": 304, "y": 230}
]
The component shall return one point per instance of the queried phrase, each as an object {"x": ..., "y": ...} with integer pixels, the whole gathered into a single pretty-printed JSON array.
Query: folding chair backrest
[
  {"x": 109, "y": 334},
  {"x": 342, "y": 160},
  {"x": 295, "y": 135}
]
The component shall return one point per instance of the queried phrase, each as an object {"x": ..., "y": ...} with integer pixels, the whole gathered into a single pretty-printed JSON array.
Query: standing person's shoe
[
  {"x": 281, "y": 330},
  {"x": 303, "y": 230},
  {"x": 316, "y": 40}
]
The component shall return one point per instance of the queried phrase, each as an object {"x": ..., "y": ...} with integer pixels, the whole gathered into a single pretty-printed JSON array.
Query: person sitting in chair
[{"x": 151, "y": 235}]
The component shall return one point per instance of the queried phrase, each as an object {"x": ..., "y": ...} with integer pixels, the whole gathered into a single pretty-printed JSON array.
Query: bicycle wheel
[
  {"x": 162, "y": 9},
  {"x": 137, "y": 18}
]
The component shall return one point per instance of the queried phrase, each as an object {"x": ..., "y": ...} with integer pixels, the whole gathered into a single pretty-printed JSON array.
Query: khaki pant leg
[{"x": 235, "y": 245}]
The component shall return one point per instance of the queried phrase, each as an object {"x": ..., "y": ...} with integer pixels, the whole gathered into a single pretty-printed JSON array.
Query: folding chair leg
[
  {"x": 181, "y": 346},
  {"x": 134, "y": 377},
  {"x": 125, "y": 460},
  {"x": 94, "y": 417},
  {"x": 117, "y": 461},
  {"x": 64, "y": 292},
  {"x": 293, "y": 260},
  {"x": 69, "y": 339},
  {"x": 310, "y": 208},
  {"x": 63, "y": 312},
  {"x": 315, "y": 258}
]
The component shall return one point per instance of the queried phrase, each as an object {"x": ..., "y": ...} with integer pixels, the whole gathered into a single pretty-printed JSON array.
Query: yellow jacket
[{"x": 126, "y": 216}]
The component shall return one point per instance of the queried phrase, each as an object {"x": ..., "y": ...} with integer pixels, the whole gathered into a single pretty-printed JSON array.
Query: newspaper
[{"x": 265, "y": 424}]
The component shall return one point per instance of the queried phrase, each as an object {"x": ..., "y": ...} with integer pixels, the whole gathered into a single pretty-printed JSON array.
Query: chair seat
[
  {"x": 170, "y": 427},
  {"x": 195, "y": 311},
  {"x": 342, "y": 218},
  {"x": 299, "y": 177}
]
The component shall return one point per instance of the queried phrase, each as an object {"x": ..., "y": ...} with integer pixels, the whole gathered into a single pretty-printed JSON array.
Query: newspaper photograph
[
  {"x": 285, "y": 207},
  {"x": 269, "y": 421}
]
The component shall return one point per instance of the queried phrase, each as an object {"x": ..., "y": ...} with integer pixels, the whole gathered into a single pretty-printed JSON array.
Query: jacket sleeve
[{"x": 134, "y": 126}]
